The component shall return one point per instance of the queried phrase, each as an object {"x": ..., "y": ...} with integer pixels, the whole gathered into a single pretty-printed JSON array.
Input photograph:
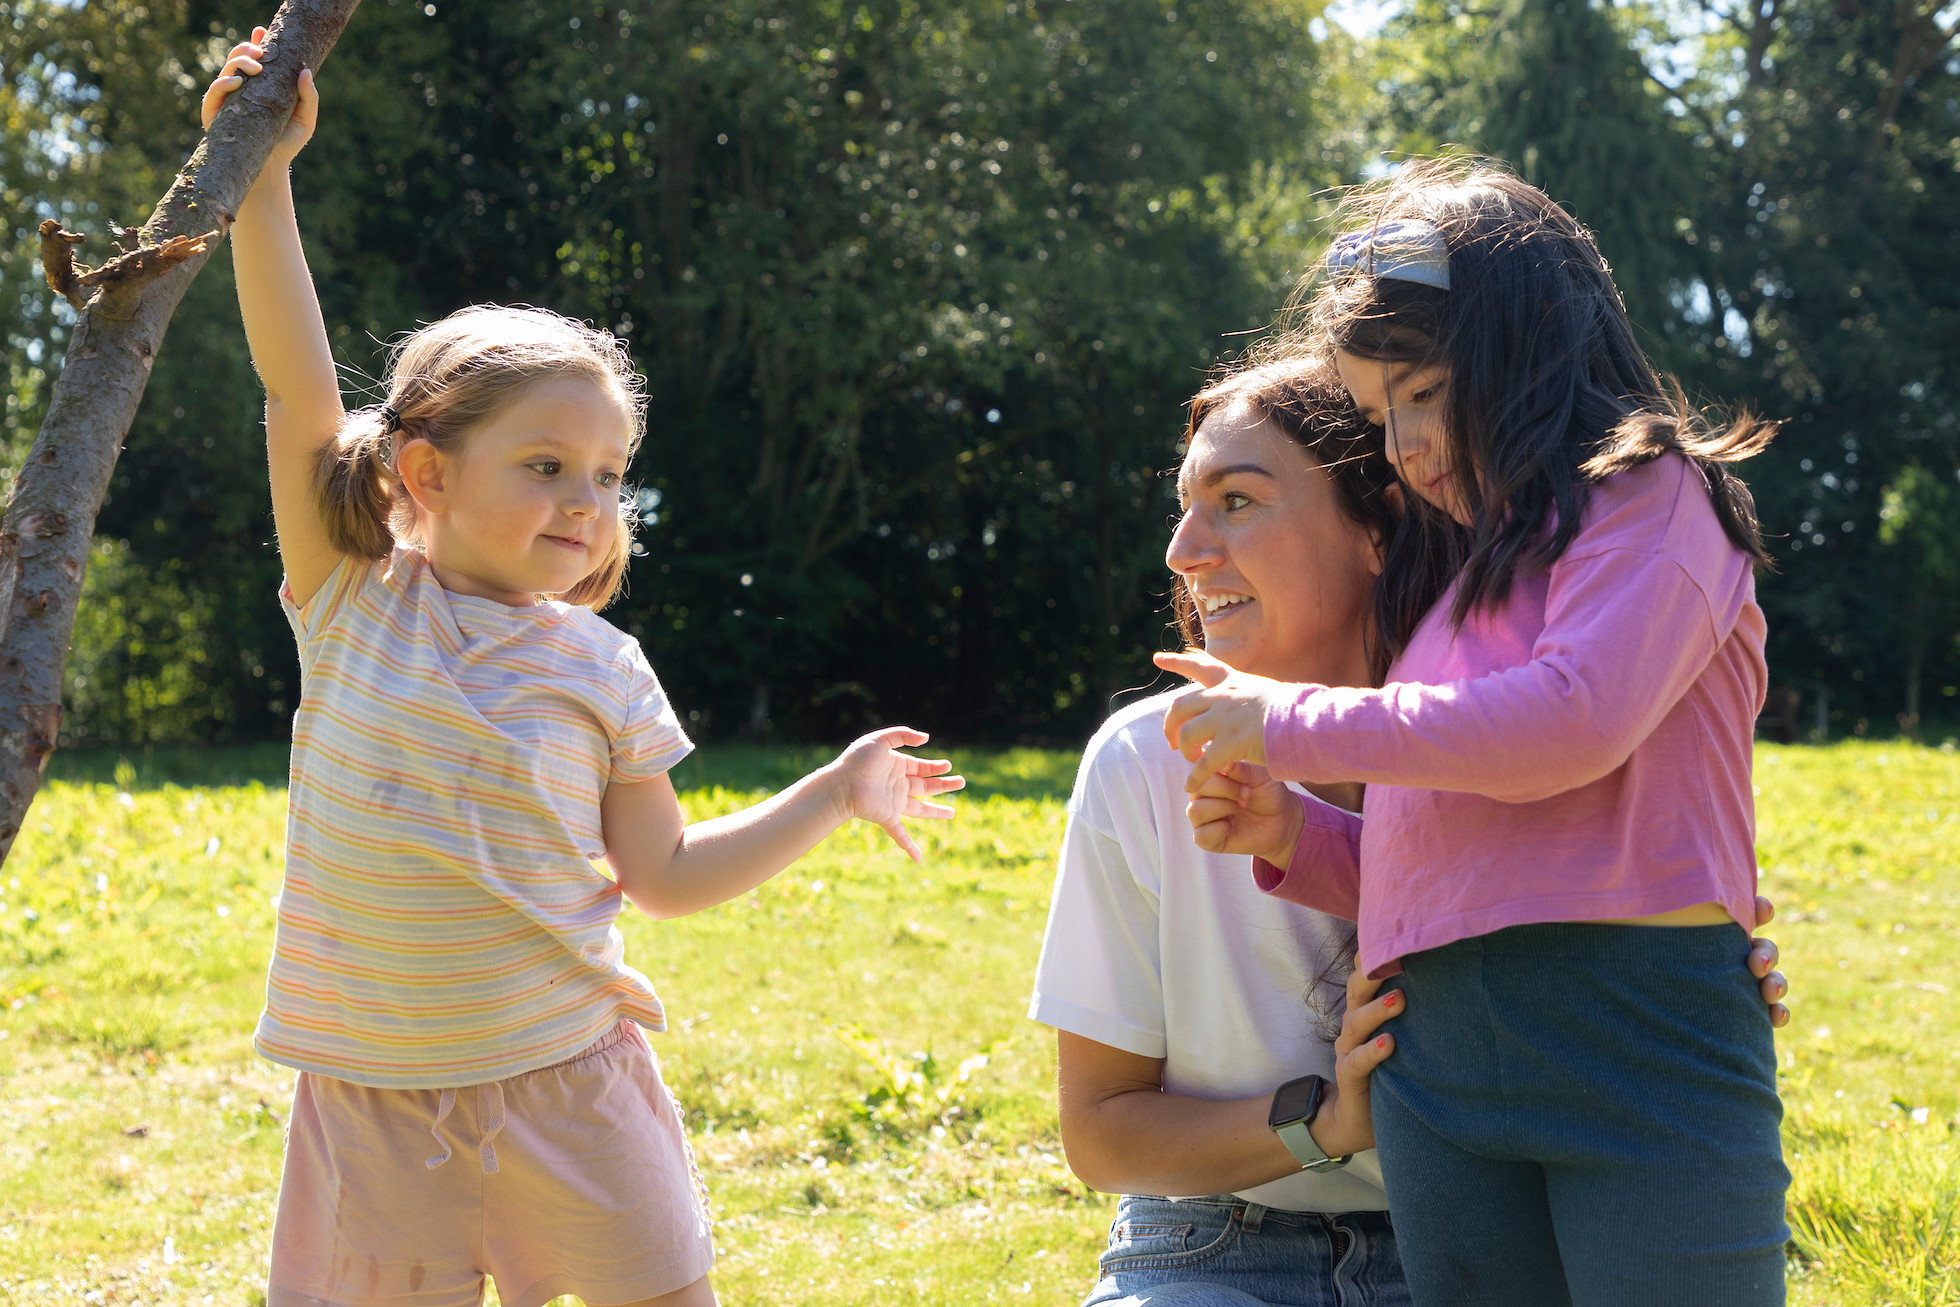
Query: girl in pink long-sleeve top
[{"x": 1558, "y": 773}]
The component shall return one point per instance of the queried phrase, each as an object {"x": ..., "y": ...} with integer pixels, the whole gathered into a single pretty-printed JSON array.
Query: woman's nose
[{"x": 1193, "y": 546}]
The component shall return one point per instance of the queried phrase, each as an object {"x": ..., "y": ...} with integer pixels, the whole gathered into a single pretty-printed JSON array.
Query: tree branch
[{"x": 50, "y": 516}]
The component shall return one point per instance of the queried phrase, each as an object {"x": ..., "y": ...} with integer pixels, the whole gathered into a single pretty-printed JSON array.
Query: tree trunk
[{"x": 50, "y": 518}]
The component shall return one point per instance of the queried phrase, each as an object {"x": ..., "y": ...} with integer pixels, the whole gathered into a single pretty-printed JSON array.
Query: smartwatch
[{"x": 1295, "y": 1104}]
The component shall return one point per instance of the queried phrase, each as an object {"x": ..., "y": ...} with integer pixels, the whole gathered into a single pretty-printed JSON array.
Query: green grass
[{"x": 827, "y": 1030}]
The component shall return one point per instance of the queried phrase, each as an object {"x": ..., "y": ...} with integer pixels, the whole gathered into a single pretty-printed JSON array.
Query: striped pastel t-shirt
[{"x": 442, "y": 923}]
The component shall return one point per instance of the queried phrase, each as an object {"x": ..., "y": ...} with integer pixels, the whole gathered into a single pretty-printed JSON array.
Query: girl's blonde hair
[{"x": 444, "y": 380}]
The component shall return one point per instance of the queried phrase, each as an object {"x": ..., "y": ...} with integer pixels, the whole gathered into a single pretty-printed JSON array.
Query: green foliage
[{"x": 920, "y": 288}]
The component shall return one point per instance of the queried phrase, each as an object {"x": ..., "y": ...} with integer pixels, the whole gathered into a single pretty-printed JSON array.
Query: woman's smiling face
[{"x": 1280, "y": 574}]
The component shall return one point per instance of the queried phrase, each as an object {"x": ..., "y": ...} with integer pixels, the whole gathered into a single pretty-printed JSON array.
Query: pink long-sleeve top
[{"x": 1580, "y": 752}]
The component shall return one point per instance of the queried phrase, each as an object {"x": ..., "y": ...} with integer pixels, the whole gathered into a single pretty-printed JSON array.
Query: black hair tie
[{"x": 391, "y": 421}]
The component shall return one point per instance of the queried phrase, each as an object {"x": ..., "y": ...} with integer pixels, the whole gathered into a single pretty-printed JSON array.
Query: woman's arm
[
  {"x": 286, "y": 333},
  {"x": 669, "y": 869},
  {"x": 1124, "y": 1134}
]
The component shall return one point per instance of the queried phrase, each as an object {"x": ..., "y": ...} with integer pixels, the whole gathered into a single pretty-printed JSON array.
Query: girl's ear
[{"x": 424, "y": 475}]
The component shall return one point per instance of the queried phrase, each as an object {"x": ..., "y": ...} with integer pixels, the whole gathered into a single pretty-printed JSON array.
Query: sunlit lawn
[{"x": 139, "y": 1138}]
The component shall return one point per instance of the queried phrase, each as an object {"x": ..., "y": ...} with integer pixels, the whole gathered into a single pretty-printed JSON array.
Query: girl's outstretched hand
[
  {"x": 243, "y": 62},
  {"x": 1242, "y": 810},
  {"x": 1219, "y": 721},
  {"x": 881, "y": 785}
]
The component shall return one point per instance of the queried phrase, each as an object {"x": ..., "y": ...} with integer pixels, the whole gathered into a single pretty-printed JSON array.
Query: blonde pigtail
[{"x": 355, "y": 488}]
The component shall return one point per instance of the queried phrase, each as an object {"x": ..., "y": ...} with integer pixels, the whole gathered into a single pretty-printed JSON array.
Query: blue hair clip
[{"x": 1407, "y": 249}]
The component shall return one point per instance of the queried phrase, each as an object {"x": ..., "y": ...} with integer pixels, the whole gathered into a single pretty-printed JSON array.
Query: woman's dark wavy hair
[
  {"x": 1304, "y": 399},
  {"x": 1549, "y": 393}
]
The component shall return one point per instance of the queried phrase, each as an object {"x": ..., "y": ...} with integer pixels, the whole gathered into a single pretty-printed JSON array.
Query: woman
[{"x": 1175, "y": 986}]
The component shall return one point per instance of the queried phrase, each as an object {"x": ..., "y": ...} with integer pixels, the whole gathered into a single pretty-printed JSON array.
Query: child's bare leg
[{"x": 699, "y": 1294}]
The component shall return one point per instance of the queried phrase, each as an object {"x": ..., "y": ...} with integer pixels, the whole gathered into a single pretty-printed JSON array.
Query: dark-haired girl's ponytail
[
  {"x": 355, "y": 487},
  {"x": 1646, "y": 435}
]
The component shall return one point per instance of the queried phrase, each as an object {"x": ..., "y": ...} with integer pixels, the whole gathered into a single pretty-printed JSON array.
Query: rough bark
[{"x": 50, "y": 517}]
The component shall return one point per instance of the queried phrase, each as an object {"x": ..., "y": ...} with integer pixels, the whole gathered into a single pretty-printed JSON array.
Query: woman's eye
[
  {"x": 1233, "y": 499},
  {"x": 1423, "y": 396}
]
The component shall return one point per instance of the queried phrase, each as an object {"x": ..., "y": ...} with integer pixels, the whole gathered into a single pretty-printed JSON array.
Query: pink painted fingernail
[
  {"x": 1392, "y": 1000},
  {"x": 1382, "y": 1042}
]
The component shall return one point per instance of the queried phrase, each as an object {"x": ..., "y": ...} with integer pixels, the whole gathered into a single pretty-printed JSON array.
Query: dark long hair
[
  {"x": 1304, "y": 399},
  {"x": 1549, "y": 392}
]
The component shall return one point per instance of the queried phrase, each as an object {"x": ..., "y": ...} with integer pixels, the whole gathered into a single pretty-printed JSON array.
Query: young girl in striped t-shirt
[{"x": 447, "y": 976}]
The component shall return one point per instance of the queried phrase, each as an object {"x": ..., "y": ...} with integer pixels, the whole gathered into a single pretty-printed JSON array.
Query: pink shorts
[{"x": 575, "y": 1178}]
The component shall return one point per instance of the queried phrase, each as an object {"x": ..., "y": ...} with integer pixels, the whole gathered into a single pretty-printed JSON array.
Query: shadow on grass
[{"x": 1010, "y": 773}]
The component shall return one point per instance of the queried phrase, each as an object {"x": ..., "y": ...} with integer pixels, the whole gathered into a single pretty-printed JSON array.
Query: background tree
[{"x": 921, "y": 287}]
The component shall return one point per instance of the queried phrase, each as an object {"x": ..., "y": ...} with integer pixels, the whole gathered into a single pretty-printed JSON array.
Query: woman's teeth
[{"x": 1218, "y": 603}]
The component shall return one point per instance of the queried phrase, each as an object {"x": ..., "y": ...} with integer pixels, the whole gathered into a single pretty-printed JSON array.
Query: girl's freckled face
[
  {"x": 1407, "y": 401},
  {"x": 532, "y": 497},
  {"x": 1281, "y": 575}
]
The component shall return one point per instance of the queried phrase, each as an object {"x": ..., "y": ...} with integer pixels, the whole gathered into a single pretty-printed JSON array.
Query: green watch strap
[{"x": 1298, "y": 1139}]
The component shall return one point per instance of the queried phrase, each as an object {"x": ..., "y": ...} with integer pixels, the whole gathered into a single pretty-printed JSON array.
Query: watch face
[{"x": 1296, "y": 1100}]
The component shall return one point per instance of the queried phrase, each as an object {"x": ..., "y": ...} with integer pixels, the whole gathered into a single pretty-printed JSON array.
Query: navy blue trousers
[{"x": 1585, "y": 1115}]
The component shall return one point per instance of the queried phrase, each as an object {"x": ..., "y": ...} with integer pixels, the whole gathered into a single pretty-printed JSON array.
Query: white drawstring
[
  {"x": 492, "y": 1115},
  {"x": 496, "y": 1116},
  {"x": 443, "y": 1105}
]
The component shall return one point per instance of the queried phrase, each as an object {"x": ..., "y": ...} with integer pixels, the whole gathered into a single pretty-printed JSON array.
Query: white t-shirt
[{"x": 1163, "y": 950}]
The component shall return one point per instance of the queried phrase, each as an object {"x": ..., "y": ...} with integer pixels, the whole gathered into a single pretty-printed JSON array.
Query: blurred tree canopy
[{"x": 921, "y": 287}]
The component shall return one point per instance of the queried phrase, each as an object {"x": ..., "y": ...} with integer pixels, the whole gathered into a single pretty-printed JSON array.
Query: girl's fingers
[
  {"x": 1763, "y": 957},
  {"x": 1765, "y": 911},
  {"x": 1203, "y": 811},
  {"x": 938, "y": 784},
  {"x": 1195, "y": 665},
  {"x": 1213, "y": 836},
  {"x": 892, "y": 737},
  {"x": 242, "y": 63},
  {"x": 1774, "y": 987},
  {"x": 920, "y": 808},
  {"x": 1223, "y": 785},
  {"x": 1779, "y": 1016},
  {"x": 926, "y": 766},
  {"x": 1206, "y": 765},
  {"x": 214, "y": 97},
  {"x": 903, "y": 838}
]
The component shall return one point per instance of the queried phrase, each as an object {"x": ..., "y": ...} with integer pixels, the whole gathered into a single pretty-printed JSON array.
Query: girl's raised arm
[{"x": 288, "y": 338}]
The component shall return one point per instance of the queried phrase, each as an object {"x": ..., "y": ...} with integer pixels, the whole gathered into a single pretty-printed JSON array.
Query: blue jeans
[
  {"x": 1227, "y": 1252},
  {"x": 1584, "y": 1114}
]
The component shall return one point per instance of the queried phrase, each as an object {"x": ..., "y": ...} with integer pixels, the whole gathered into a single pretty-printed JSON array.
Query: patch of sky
[{"x": 1359, "y": 17}]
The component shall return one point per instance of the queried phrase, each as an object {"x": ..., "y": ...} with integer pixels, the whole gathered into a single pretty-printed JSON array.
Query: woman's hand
[
  {"x": 243, "y": 62},
  {"x": 1763, "y": 957},
  {"x": 1242, "y": 810},
  {"x": 1345, "y": 1123},
  {"x": 878, "y": 784},
  {"x": 1221, "y": 720}
]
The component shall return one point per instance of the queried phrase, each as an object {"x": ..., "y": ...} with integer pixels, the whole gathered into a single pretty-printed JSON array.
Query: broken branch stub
[{"x": 50, "y": 517}]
